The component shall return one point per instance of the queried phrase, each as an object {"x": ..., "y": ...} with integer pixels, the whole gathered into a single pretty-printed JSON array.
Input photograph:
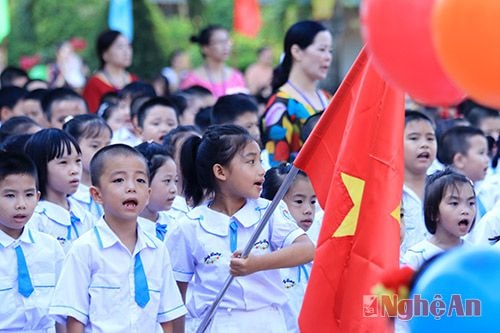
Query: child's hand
[{"x": 242, "y": 266}]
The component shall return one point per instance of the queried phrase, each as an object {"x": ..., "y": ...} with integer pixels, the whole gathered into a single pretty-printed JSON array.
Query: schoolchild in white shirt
[
  {"x": 30, "y": 261},
  {"x": 163, "y": 179},
  {"x": 92, "y": 133},
  {"x": 420, "y": 148},
  {"x": 301, "y": 202},
  {"x": 207, "y": 244},
  {"x": 118, "y": 278},
  {"x": 449, "y": 211},
  {"x": 58, "y": 160}
]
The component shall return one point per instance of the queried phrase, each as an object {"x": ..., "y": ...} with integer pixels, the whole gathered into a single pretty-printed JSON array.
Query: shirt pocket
[
  {"x": 155, "y": 291},
  {"x": 8, "y": 296},
  {"x": 105, "y": 293},
  {"x": 38, "y": 303}
]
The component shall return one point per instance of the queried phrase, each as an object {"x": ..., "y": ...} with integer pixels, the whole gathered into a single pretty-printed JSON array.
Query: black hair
[
  {"x": 86, "y": 126},
  {"x": 46, "y": 145},
  {"x": 14, "y": 163},
  {"x": 9, "y": 74},
  {"x": 203, "y": 38},
  {"x": 106, "y": 154},
  {"x": 15, "y": 143},
  {"x": 477, "y": 114},
  {"x": 156, "y": 101},
  {"x": 455, "y": 141},
  {"x": 411, "y": 116},
  {"x": 309, "y": 125},
  {"x": 170, "y": 140},
  {"x": 136, "y": 104},
  {"x": 219, "y": 145},
  {"x": 136, "y": 89},
  {"x": 31, "y": 81},
  {"x": 301, "y": 34},
  {"x": 436, "y": 186},
  {"x": 104, "y": 42},
  {"x": 57, "y": 95},
  {"x": 229, "y": 107},
  {"x": 156, "y": 155},
  {"x": 10, "y": 96},
  {"x": 16, "y": 125},
  {"x": 203, "y": 118},
  {"x": 36, "y": 94},
  {"x": 274, "y": 178},
  {"x": 198, "y": 91}
]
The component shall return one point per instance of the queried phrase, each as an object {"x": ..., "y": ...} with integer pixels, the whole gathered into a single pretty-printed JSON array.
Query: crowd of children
[{"x": 129, "y": 215}]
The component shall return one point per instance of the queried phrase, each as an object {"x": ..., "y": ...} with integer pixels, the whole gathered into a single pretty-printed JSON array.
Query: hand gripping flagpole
[{"x": 287, "y": 182}]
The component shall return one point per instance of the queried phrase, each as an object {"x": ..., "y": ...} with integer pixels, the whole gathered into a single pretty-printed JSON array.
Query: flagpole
[{"x": 287, "y": 182}]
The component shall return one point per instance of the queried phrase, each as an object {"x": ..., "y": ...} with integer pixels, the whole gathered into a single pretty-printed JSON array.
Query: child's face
[
  {"x": 124, "y": 189},
  {"x": 64, "y": 108},
  {"x": 301, "y": 201},
  {"x": 163, "y": 187},
  {"x": 245, "y": 175},
  {"x": 18, "y": 198},
  {"x": 119, "y": 118},
  {"x": 64, "y": 173},
  {"x": 158, "y": 122},
  {"x": 90, "y": 146},
  {"x": 249, "y": 121},
  {"x": 457, "y": 211},
  {"x": 475, "y": 163},
  {"x": 491, "y": 127},
  {"x": 33, "y": 109},
  {"x": 419, "y": 146}
]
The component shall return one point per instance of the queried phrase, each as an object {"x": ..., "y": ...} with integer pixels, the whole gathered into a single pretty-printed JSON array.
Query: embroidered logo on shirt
[
  {"x": 261, "y": 245},
  {"x": 288, "y": 283},
  {"x": 212, "y": 258},
  {"x": 61, "y": 240}
]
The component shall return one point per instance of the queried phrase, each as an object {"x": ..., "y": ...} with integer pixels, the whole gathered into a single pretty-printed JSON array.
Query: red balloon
[
  {"x": 466, "y": 35},
  {"x": 398, "y": 35}
]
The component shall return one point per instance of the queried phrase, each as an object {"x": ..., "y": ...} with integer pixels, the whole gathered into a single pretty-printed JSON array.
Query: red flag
[
  {"x": 247, "y": 20},
  {"x": 354, "y": 158}
]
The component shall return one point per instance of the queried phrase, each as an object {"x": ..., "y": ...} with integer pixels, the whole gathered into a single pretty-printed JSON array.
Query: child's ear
[
  {"x": 96, "y": 194},
  {"x": 219, "y": 172},
  {"x": 38, "y": 195},
  {"x": 459, "y": 160}
]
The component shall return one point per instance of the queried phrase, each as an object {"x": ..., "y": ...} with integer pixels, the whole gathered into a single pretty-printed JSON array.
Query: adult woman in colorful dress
[{"x": 307, "y": 57}]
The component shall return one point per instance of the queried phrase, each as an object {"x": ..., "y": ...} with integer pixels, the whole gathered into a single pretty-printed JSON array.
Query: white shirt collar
[
  {"x": 218, "y": 223},
  {"x": 26, "y": 237},
  {"x": 107, "y": 238},
  {"x": 54, "y": 212},
  {"x": 82, "y": 193}
]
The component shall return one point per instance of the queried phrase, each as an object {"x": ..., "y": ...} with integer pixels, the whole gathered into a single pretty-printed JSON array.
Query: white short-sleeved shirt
[
  {"x": 421, "y": 252},
  {"x": 179, "y": 208},
  {"x": 83, "y": 197},
  {"x": 294, "y": 281},
  {"x": 487, "y": 195},
  {"x": 44, "y": 258},
  {"x": 55, "y": 220},
  {"x": 488, "y": 227},
  {"x": 164, "y": 217},
  {"x": 415, "y": 230},
  {"x": 96, "y": 285},
  {"x": 200, "y": 248}
]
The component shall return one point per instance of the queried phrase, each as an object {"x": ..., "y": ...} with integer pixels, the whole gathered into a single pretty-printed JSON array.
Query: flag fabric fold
[
  {"x": 247, "y": 19},
  {"x": 354, "y": 158}
]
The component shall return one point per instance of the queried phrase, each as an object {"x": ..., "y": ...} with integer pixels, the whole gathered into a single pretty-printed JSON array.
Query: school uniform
[
  {"x": 202, "y": 247},
  {"x": 83, "y": 197},
  {"x": 43, "y": 257},
  {"x": 179, "y": 208},
  {"x": 294, "y": 281},
  {"x": 415, "y": 230},
  {"x": 421, "y": 252},
  {"x": 488, "y": 227},
  {"x": 97, "y": 285},
  {"x": 487, "y": 194},
  {"x": 161, "y": 228},
  {"x": 64, "y": 225}
]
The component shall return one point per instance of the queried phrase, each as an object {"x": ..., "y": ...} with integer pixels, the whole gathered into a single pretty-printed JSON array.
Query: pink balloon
[{"x": 398, "y": 35}]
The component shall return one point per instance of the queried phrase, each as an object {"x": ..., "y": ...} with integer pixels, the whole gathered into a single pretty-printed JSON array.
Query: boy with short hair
[
  {"x": 61, "y": 103},
  {"x": 30, "y": 261},
  {"x": 465, "y": 149},
  {"x": 116, "y": 277},
  {"x": 242, "y": 110}
]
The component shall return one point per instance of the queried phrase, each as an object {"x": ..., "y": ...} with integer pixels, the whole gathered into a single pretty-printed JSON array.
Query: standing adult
[
  {"x": 214, "y": 74},
  {"x": 115, "y": 56},
  {"x": 307, "y": 57}
]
